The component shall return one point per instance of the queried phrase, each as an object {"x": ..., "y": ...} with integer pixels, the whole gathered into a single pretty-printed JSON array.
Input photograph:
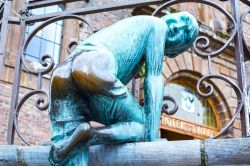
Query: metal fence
[{"x": 200, "y": 46}]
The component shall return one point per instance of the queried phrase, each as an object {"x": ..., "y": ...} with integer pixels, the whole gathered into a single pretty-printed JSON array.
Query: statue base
[{"x": 194, "y": 152}]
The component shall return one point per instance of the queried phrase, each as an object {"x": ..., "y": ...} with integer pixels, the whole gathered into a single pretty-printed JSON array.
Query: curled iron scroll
[
  {"x": 165, "y": 106},
  {"x": 71, "y": 46},
  {"x": 202, "y": 42},
  {"x": 200, "y": 45},
  {"x": 48, "y": 65},
  {"x": 40, "y": 104},
  {"x": 47, "y": 69},
  {"x": 210, "y": 91}
]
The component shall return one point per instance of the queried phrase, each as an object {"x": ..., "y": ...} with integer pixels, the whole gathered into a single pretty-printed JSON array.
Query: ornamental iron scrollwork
[
  {"x": 40, "y": 103},
  {"x": 209, "y": 93},
  {"x": 50, "y": 66},
  {"x": 200, "y": 46},
  {"x": 71, "y": 45},
  {"x": 165, "y": 106},
  {"x": 203, "y": 40}
]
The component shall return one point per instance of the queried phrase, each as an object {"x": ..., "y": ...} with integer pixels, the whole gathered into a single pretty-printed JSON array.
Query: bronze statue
[{"x": 91, "y": 84}]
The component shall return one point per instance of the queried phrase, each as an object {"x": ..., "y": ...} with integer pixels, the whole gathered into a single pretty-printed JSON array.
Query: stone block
[
  {"x": 237, "y": 133},
  {"x": 180, "y": 62},
  {"x": 166, "y": 70},
  {"x": 237, "y": 124},
  {"x": 197, "y": 62},
  {"x": 172, "y": 65},
  {"x": 204, "y": 69},
  {"x": 224, "y": 70}
]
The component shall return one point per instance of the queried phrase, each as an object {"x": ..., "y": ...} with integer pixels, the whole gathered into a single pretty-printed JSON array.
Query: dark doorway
[{"x": 173, "y": 136}]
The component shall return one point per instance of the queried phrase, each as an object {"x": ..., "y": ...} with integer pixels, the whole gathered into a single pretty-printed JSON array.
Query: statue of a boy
[{"x": 91, "y": 84}]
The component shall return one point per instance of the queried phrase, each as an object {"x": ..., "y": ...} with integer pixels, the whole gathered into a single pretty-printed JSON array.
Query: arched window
[
  {"x": 46, "y": 41},
  {"x": 192, "y": 107}
]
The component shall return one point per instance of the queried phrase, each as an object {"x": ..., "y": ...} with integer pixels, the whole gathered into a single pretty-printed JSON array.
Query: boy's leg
[
  {"x": 80, "y": 134},
  {"x": 128, "y": 126},
  {"x": 85, "y": 136},
  {"x": 121, "y": 132},
  {"x": 123, "y": 116}
]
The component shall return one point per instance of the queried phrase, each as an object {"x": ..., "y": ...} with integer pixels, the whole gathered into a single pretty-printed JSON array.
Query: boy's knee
[
  {"x": 139, "y": 130},
  {"x": 83, "y": 127}
]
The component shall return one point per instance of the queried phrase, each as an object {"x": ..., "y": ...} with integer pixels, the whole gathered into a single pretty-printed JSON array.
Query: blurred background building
[{"x": 196, "y": 118}]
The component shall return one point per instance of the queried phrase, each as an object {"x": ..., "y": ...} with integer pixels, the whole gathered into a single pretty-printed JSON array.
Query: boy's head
[{"x": 182, "y": 32}]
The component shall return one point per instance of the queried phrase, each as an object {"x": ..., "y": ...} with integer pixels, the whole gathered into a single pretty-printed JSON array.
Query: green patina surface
[
  {"x": 20, "y": 159},
  {"x": 203, "y": 153},
  {"x": 91, "y": 84}
]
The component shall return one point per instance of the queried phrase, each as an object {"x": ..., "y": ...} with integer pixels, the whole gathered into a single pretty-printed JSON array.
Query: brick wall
[
  {"x": 213, "y": 24},
  {"x": 34, "y": 124},
  {"x": 5, "y": 94}
]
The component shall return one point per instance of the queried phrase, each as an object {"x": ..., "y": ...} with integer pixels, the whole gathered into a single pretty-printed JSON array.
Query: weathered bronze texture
[{"x": 91, "y": 84}]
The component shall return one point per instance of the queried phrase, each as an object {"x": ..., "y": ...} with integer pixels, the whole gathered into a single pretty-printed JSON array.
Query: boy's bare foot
[{"x": 60, "y": 149}]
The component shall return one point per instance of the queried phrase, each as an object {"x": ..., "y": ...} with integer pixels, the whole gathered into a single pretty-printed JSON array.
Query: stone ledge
[{"x": 195, "y": 152}]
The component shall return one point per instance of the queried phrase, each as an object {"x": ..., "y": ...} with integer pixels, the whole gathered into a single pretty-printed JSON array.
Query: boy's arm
[{"x": 153, "y": 84}]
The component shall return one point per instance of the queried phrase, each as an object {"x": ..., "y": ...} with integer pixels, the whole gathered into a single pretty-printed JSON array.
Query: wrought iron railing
[
  {"x": 200, "y": 50},
  {"x": 201, "y": 46}
]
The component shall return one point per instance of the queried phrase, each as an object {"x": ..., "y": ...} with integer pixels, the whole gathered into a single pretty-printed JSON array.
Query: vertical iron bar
[
  {"x": 241, "y": 69},
  {"x": 16, "y": 85},
  {"x": 4, "y": 29},
  {"x": 39, "y": 81},
  {"x": 209, "y": 65}
]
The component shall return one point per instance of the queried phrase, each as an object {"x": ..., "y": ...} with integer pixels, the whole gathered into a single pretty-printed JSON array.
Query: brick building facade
[{"x": 34, "y": 124}]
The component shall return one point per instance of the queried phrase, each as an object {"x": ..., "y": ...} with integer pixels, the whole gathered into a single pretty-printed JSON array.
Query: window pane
[
  {"x": 51, "y": 9},
  {"x": 59, "y": 22},
  {"x": 58, "y": 36},
  {"x": 47, "y": 47},
  {"x": 47, "y": 40},
  {"x": 34, "y": 47},
  {"x": 191, "y": 106},
  {"x": 57, "y": 53},
  {"x": 60, "y": 8},
  {"x": 49, "y": 32},
  {"x": 31, "y": 28},
  {"x": 37, "y": 11},
  {"x": 31, "y": 58}
]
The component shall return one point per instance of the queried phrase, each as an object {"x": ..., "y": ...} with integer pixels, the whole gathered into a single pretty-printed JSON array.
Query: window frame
[
  {"x": 191, "y": 83},
  {"x": 54, "y": 43}
]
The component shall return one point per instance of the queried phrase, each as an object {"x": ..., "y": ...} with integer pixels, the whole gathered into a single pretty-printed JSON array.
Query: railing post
[
  {"x": 238, "y": 42},
  {"x": 16, "y": 85}
]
